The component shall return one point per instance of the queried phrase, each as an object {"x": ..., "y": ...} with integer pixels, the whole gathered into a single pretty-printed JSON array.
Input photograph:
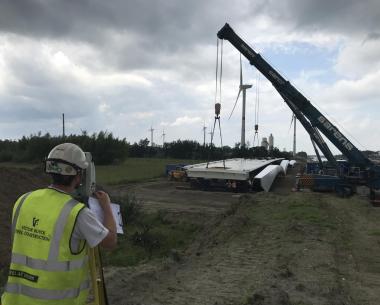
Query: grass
[
  {"x": 20, "y": 165},
  {"x": 374, "y": 233},
  {"x": 135, "y": 170},
  {"x": 151, "y": 236},
  {"x": 131, "y": 170},
  {"x": 307, "y": 210}
]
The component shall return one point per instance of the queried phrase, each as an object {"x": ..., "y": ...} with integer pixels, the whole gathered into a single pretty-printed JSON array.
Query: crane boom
[{"x": 292, "y": 96}]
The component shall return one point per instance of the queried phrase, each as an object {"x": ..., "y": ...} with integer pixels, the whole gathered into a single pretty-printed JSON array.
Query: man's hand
[
  {"x": 109, "y": 242},
  {"x": 104, "y": 199}
]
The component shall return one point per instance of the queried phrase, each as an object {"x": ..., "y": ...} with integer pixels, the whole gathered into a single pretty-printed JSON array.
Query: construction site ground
[{"x": 282, "y": 247}]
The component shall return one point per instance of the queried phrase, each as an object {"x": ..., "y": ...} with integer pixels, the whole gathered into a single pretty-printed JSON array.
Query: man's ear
[{"x": 77, "y": 180}]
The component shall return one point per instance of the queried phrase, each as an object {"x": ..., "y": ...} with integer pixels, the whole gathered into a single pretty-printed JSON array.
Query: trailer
[{"x": 234, "y": 174}]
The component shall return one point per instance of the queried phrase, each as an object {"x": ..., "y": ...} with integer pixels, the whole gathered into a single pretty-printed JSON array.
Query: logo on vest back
[
  {"x": 33, "y": 232},
  {"x": 35, "y": 221}
]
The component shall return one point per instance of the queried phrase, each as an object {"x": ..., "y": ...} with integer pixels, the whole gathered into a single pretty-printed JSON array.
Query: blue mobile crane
[{"x": 315, "y": 123}]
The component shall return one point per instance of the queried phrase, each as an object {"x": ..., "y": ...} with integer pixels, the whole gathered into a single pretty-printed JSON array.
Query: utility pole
[
  {"x": 151, "y": 136},
  {"x": 63, "y": 125}
]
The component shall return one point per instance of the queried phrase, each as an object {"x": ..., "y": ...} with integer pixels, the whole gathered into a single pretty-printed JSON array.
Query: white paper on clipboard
[{"x": 95, "y": 207}]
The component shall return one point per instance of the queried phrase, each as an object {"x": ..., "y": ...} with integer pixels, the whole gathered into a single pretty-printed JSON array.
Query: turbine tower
[
  {"x": 63, "y": 125},
  {"x": 151, "y": 136},
  {"x": 242, "y": 88},
  {"x": 293, "y": 121},
  {"x": 163, "y": 137},
  {"x": 204, "y": 134}
]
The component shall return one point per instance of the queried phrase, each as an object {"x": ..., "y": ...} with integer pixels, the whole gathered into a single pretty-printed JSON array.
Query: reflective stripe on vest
[
  {"x": 40, "y": 264},
  {"x": 58, "y": 230},
  {"x": 17, "y": 212},
  {"x": 46, "y": 294}
]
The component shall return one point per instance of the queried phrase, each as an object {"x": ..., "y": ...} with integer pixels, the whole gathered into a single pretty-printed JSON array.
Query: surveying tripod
[{"x": 96, "y": 267}]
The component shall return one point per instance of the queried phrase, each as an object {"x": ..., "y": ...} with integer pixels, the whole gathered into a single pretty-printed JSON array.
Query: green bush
[
  {"x": 130, "y": 208},
  {"x": 148, "y": 235},
  {"x": 6, "y": 156}
]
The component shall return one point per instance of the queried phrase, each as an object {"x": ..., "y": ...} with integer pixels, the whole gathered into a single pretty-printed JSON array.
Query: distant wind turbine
[
  {"x": 293, "y": 121},
  {"x": 163, "y": 137},
  {"x": 242, "y": 88},
  {"x": 151, "y": 136},
  {"x": 204, "y": 134}
]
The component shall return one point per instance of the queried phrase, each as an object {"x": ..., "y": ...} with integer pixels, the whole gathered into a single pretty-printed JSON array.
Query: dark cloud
[
  {"x": 141, "y": 34},
  {"x": 169, "y": 24},
  {"x": 161, "y": 20},
  {"x": 126, "y": 34},
  {"x": 338, "y": 16},
  {"x": 371, "y": 36}
]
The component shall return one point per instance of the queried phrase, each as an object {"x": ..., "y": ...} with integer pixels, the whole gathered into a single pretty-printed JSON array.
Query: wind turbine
[
  {"x": 204, "y": 134},
  {"x": 151, "y": 136},
  {"x": 163, "y": 137},
  {"x": 63, "y": 125},
  {"x": 293, "y": 121},
  {"x": 242, "y": 88},
  {"x": 210, "y": 133}
]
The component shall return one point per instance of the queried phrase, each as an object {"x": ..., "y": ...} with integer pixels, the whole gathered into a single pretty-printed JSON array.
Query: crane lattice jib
[{"x": 290, "y": 93}]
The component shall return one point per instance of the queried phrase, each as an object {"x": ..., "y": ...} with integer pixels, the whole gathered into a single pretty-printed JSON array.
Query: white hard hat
[{"x": 66, "y": 159}]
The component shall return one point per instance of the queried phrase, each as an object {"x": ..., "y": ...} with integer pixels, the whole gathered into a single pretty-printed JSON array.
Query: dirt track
[{"x": 169, "y": 196}]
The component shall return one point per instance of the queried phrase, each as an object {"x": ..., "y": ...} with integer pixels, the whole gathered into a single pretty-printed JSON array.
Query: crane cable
[
  {"x": 257, "y": 108},
  {"x": 218, "y": 105},
  {"x": 216, "y": 70}
]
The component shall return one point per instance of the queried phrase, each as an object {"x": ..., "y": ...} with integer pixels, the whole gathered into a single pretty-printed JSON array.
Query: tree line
[{"x": 108, "y": 149}]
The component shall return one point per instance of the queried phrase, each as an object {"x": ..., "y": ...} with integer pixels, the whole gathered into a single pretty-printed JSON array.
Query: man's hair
[{"x": 62, "y": 179}]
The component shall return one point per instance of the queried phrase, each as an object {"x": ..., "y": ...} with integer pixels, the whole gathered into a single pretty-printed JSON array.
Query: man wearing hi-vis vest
[{"x": 51, "y": 232}]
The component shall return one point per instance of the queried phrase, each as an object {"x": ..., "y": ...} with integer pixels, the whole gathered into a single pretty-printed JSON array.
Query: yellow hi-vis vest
[{"x": 44, "y": 269}]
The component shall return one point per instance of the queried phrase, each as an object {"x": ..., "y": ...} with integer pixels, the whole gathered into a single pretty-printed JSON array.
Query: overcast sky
[{"x": 124, "y": 66}]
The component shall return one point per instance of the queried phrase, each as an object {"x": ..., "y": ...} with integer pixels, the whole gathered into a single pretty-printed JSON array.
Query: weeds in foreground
[{"x": 148, "y": 235}]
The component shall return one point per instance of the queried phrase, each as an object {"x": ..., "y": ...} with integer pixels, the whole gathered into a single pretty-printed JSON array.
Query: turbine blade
[{"x": 235, "y": 104}]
